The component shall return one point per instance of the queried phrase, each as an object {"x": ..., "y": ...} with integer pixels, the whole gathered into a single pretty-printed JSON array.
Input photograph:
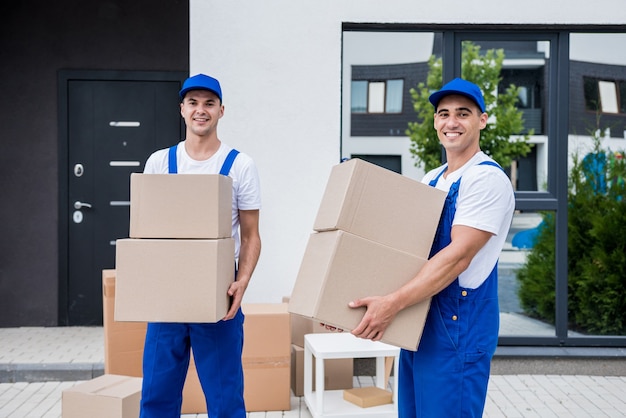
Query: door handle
[{"x": 80, "y": 205}]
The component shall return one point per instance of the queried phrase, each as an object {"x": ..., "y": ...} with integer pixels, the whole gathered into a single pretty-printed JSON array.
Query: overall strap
[
  {"x": 228, "y": 163},
  {"x": 434, "y": 181},
  {"x": 493, "y": 163},
  {"x": 173, "y": 168}
]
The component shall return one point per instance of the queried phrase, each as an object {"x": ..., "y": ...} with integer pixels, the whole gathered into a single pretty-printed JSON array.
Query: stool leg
[
  {"x": 396, "y": 366},
  {"x": 380, "y": 373},
  {"x": 319, "y": 384},
  {"x": 308, "y": 372}
]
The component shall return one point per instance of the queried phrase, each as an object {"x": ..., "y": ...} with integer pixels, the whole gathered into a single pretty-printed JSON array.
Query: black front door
[{"x": 113, "y": 124}]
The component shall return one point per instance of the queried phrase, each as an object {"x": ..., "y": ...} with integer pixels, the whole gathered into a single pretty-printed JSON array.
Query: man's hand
[
  {"x": 235, "y": 291},
  {"x": 379, "y": 313}
]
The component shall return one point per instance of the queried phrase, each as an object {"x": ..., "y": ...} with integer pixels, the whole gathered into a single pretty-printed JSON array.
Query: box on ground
[
  {"x": 338, "y": 373},
  {"x": 173, "y": 280},
  {"x": 368, "y": 396},
  {"x": 180, "y": 206},
  {"x": 266, "y": 357},
  {"x": 107, "y": 396},
  {"x": 123, "y": 349},
  {"x": 381, "y": 205},
  {"x": 339, "y": 267}
]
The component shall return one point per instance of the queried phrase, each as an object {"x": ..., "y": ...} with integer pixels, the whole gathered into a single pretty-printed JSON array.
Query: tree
[{"x": 499, "y": 139}]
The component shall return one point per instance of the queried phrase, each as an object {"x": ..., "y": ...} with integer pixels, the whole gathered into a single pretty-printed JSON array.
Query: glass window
[
  {"x": 376, "y": 102},
  {"x": 526, "y": 277},
  {"x": 592, "y": 94},
  {"x": 608, "y": 96},
  {"x": 359, "y": 97},
  {"x": 596, "y": 150},
  {"x": 394, "y": 96},
  {"x": 518, "y": 108}
]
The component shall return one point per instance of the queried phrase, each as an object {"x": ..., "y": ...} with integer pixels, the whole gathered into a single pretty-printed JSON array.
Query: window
[
  {"x": 359, "y": 97},
  {"x": 377, "y": 96},
  {"x": 605, "y": 96}
]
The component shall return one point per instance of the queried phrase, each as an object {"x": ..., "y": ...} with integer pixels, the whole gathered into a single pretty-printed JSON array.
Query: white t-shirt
[
  {"x": 485, "y": 201},
  {"x": 246, "y": 183}
]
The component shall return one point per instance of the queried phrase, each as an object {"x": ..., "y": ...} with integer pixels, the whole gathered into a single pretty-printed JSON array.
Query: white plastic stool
[{"x": 330, "y": 403}]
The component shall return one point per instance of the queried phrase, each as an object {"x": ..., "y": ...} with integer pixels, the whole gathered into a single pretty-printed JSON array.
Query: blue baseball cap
[
  {"x": 201, "y": 82},
  {"x": 462, "y": 87}
]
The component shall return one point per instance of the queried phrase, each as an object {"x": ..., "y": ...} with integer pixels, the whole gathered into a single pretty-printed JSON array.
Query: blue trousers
[
  {"x": 448, "y": 375},
  {"x": 217, "y": 349}
]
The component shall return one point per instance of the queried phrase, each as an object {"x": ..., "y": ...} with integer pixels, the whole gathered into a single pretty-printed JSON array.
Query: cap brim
[
  {"x": 187, "y": 90},
  {"x": 436, "y": 97}
]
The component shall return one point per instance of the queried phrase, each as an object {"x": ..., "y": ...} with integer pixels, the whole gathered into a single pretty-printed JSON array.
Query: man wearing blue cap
[
  {"x": 217, "y": 347},
  {"x": 448, "y": 374}
]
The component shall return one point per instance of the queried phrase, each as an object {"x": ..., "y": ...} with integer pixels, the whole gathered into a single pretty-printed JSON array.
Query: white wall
[{"x": 279, "y": 62}]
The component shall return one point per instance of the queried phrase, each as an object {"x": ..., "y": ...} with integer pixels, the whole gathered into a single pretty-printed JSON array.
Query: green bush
[{"x": 596, "y": 250}]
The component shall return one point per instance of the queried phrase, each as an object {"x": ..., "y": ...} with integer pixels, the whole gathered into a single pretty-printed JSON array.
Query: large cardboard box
[
  {"x": 107, "y": 396},
  {"x": 180, "y": 206},
  {"x": 338, "y": 373},
  {"x": 266, "y": 357},
  {"x": 173, "y": 280},
  {"x": 123, "y": 349},
  {"x": 381, "y": 205},
  {"x": 339, "y": 267}
]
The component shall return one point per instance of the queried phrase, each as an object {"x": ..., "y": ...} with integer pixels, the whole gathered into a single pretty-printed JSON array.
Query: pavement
[{"x": 38, "y": 363}]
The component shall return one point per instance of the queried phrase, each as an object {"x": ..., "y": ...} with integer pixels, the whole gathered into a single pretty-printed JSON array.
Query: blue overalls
[
  {"x": 448, "y": 375},
  {"x": 217, "y": 349}
]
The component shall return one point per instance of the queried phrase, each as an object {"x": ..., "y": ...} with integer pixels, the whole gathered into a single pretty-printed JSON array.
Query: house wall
[
  {"x": 280, "y": 63},
  {"x": 37, "y": 39}
]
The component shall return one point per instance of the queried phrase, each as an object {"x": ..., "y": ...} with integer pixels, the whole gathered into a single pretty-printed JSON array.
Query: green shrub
[{"x": 596, "y": 250}]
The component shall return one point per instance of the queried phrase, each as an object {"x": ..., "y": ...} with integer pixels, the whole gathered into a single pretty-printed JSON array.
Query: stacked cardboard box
[
  {"x": 374, "y": 230},
  {"x": 266, "y": 357},
  {"x": 123, "y": 349},
  {"x": 176, "y": 267},
  {"x": 180, "y": 257}
]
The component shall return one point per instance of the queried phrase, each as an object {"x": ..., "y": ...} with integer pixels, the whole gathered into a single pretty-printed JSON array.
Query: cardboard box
[
  {"x": 368, "y": 396},
  {"x": 173, "y": 280},
  {"x": 266, "y": 357},
  {"x": 180, "y": 206},
  {"x": 338, "y": 373},
  {"x": 381, "y": 205},
  {"x": 107, "y": 396},
  {"x": 339, "y": 267},
  {"x": 123, "y": 349},
  {"x": 300, "y": 326},
  {"x": 123, "y": 341}
]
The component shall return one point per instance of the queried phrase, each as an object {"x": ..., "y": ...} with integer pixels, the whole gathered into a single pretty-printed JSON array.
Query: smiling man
[
  {"x": 448, "y": 374},
  {"x": 217, "y": 347}
]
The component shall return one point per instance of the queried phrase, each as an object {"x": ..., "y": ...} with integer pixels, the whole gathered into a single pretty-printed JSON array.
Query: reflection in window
[
  {"x": 394, "y": 96},
  {"x": 520, "y": 293},
  {"x": 359, "y": 96},
  {"x": 376, "y": 99},
  {"x": 525, "y": 65},
  {"x": 376, "y": 96},
  {"x": 604, "y": 96}
]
